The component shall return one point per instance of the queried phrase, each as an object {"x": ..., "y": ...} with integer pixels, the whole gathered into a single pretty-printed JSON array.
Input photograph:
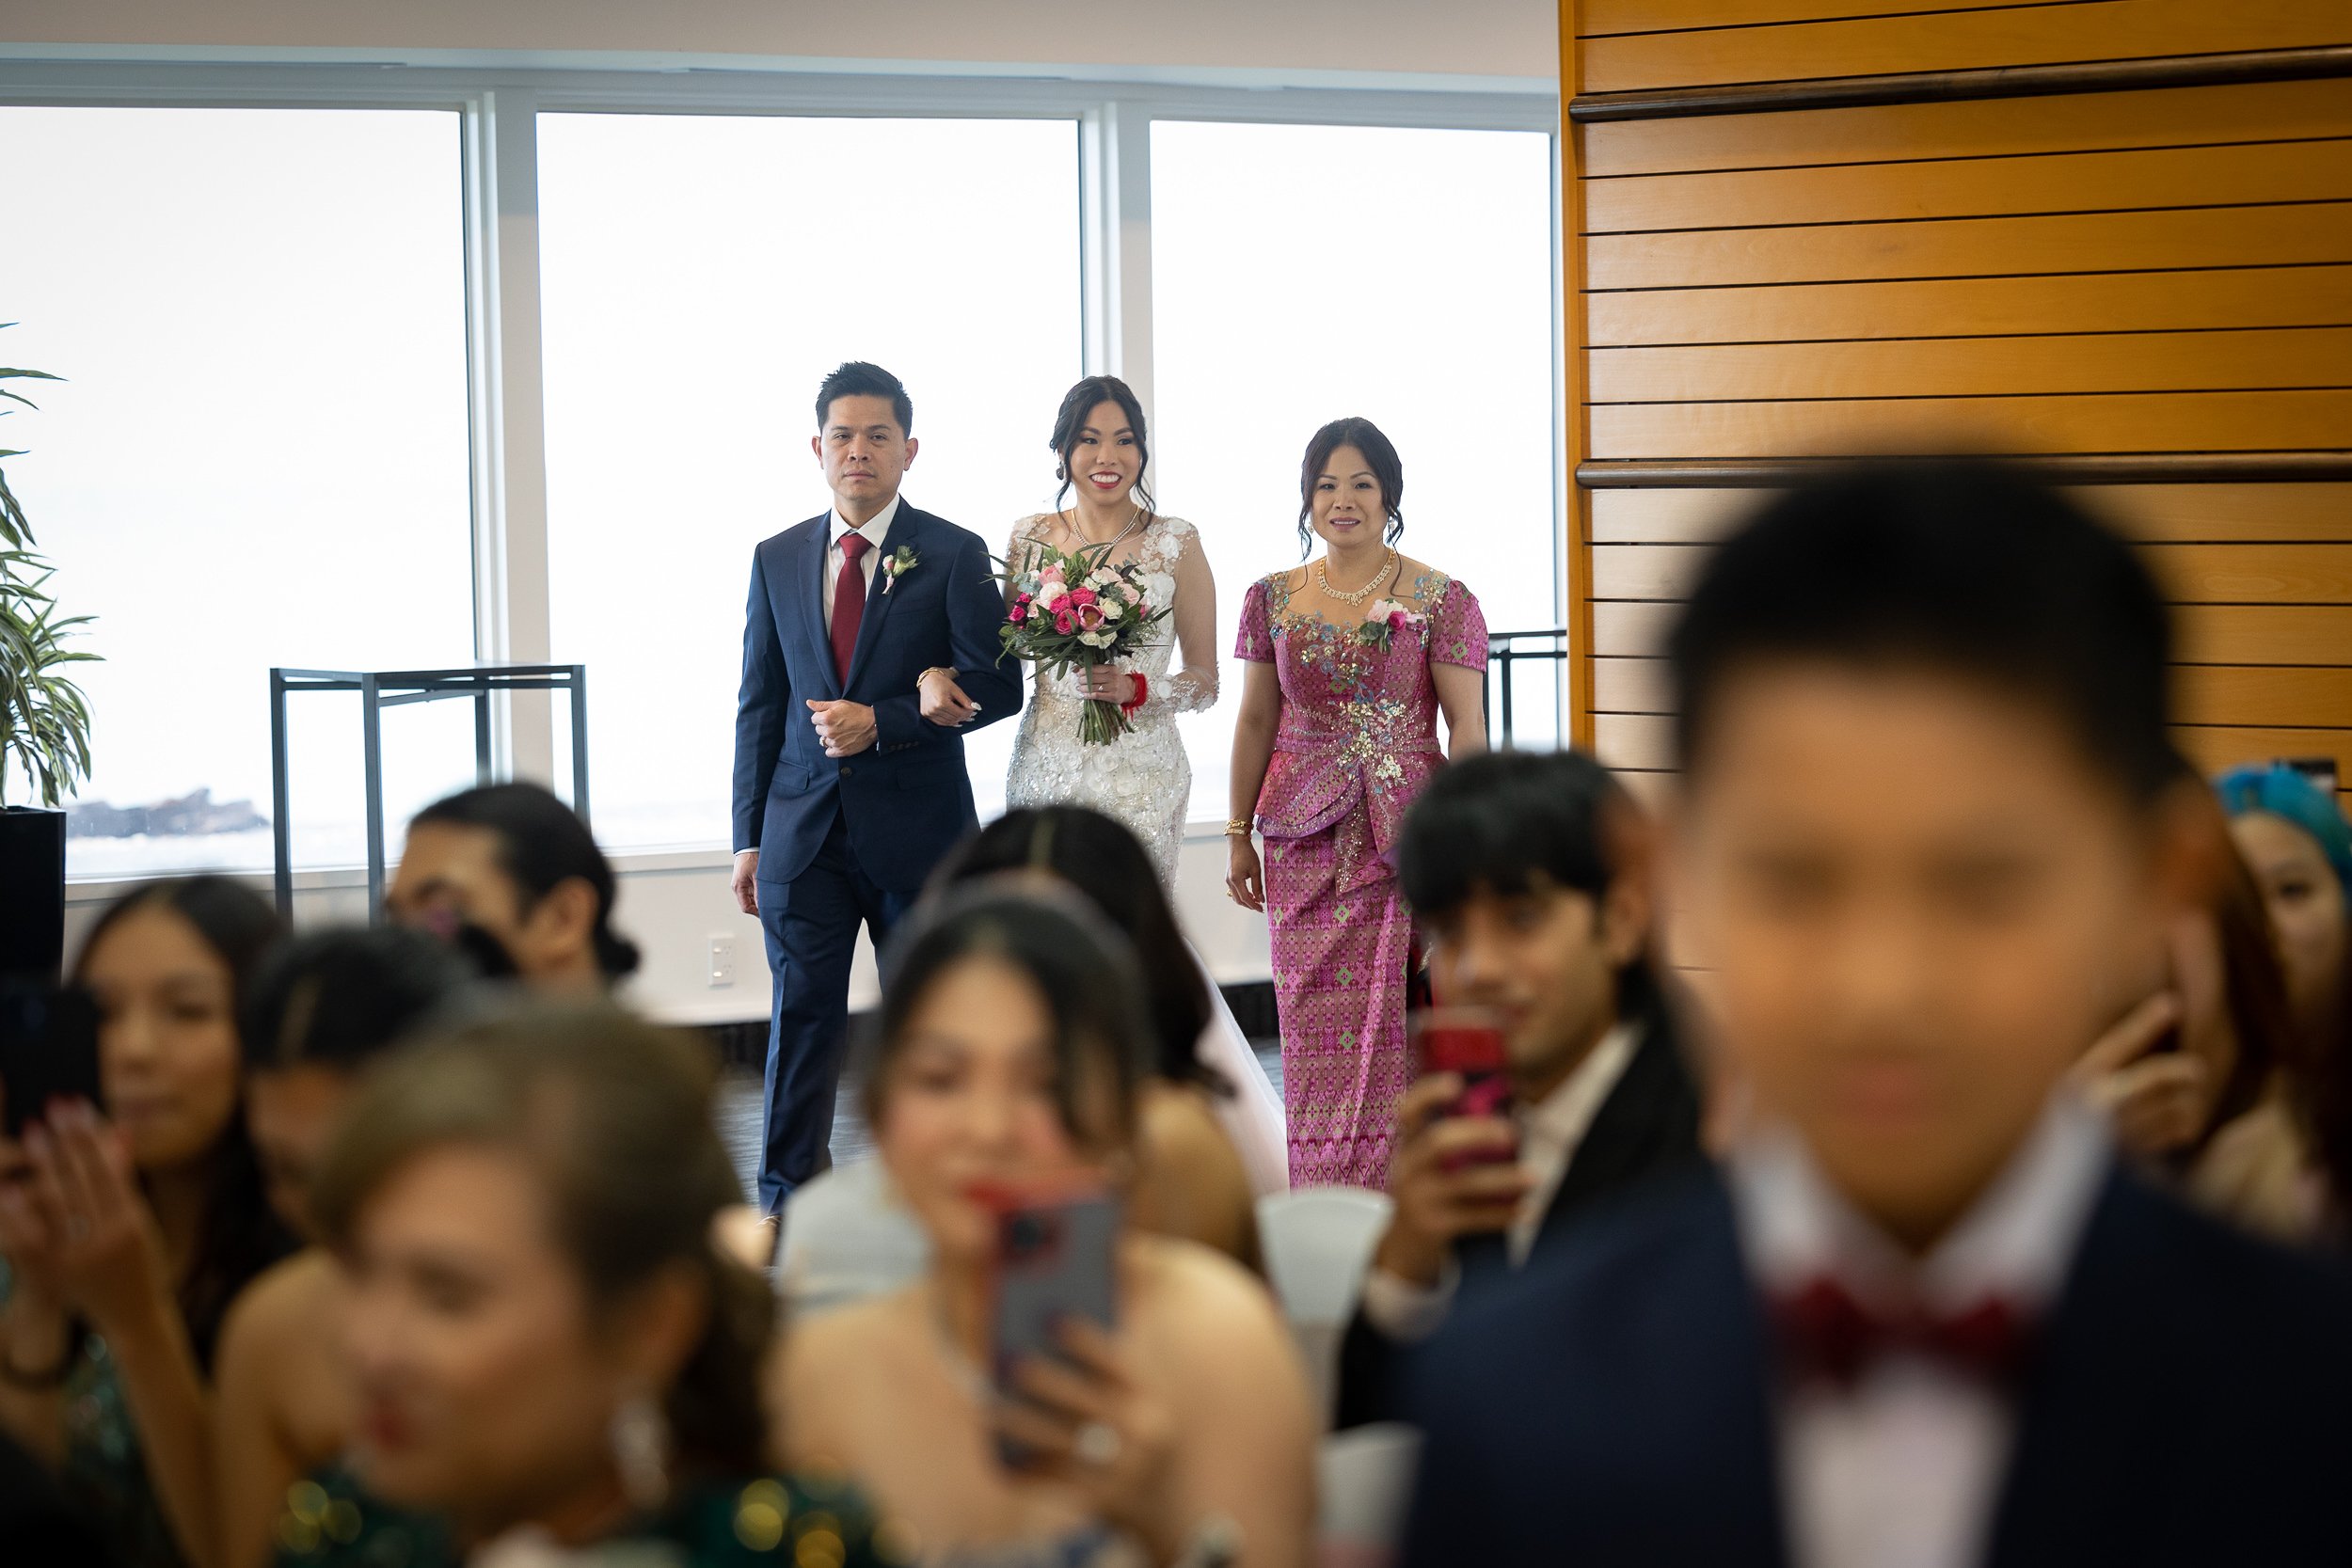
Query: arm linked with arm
[
  {"x": 762, "y": 706},
  {"x": 975, "y": 607}
]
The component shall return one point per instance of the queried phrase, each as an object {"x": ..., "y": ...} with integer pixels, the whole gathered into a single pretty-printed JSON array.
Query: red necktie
[
  {"x": 1824, "y": 1332},
  {"x": 848, "y": 603}
]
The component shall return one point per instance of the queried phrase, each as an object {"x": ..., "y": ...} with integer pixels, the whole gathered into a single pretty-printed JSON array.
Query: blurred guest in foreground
[
  {"x": 1931, "y": 833},
  {"x": 549, "y": 1353},
  {"x": 1189, "y": 1179},
  {"x": 322, "y": 1008},
  {"x": 511, "y": 875},
  {"x": 1011, "y": 1048},
  {"x": 2195, "y": 1076},
  {"x": 1523, "y": 872},
  {"x": 127, "y": 1234}
]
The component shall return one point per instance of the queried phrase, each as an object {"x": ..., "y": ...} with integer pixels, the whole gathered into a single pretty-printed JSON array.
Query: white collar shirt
[
  {"x": 876, "y": 529},
  {"x": 1902, "y": 1469}
]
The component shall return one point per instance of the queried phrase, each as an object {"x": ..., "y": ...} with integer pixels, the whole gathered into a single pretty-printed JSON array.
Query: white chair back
[
  {"x": 1317, "y": 1243},
  {"x": 846, "y": 1237},
  {"x": 1365, "y": 1476}
]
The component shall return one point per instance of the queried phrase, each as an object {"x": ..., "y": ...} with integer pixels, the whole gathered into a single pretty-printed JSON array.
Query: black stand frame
[{"x": 382, "y": 688}]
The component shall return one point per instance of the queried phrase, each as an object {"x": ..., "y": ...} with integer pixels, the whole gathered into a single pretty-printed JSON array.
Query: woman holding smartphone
[
  {"x": 1011, "y": 1055},
  {"x": 126, "y": 1235}
]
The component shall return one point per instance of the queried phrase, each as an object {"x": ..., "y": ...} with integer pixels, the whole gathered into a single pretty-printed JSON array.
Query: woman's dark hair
[
  {"x": 2254, "y": 986},
  {"x": 542, "y": 843},
  {"x": 1100, "y": 858},
  {"x": 1964, "y": 567},
  {"x": 858, "y": 379},
  {"x": 1502, "y": 822},
  {"x": 239, "y": 1234},
  {"x": 1083, "y": 399},
  {"x": 339, "y": 997},
  {"x": 613, "y": 1114},
  {"x": 1083, "y": 970},
  {"x": 1388, "y": 469}
]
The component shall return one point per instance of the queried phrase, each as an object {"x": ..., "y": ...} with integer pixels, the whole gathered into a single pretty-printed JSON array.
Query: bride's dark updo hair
[{"x": 1084, "y": 399}]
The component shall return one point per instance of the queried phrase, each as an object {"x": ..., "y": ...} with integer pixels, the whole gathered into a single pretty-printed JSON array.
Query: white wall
[{"x": 1140, "y": 40}]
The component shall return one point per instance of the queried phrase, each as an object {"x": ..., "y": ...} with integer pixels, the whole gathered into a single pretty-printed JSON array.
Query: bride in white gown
[{"x": 1143, "y": 778}]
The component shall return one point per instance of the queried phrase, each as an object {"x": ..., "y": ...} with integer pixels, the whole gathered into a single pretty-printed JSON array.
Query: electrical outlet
[{"x": 721, "y": 961}]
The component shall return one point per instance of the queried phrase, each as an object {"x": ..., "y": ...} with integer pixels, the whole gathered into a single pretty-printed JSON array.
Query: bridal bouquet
[{"x": 1078, "y": 609}]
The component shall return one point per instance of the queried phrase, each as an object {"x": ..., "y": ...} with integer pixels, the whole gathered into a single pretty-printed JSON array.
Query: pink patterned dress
[{"x": 1358, "y": 741}]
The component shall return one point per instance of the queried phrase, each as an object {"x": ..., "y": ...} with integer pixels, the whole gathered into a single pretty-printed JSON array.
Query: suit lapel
[
  {"x": 809, "y": 585},
  {"x": 1649, "y": 1121},
  {"x": 903, "y": 529}
]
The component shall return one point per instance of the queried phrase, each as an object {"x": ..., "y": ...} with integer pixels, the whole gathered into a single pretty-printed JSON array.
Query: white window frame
[{"x": 499, "y": 109}]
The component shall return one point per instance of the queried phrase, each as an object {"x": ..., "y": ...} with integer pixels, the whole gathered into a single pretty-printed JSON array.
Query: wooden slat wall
[{"x": 2161, "y": 270}]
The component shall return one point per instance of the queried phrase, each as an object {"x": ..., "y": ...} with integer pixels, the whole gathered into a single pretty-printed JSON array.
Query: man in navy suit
[
  {"x": 869, "y": 645},
  {"x": 1930, "y": 840}
]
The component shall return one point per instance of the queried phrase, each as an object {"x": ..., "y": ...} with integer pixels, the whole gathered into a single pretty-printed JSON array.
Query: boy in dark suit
[
  {"x": 1928, "y": 844},
  {"x": 1522, "y": 874}
]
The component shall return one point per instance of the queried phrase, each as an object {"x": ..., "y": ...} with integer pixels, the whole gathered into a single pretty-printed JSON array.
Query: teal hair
[{"x": 2283, "y": 792}]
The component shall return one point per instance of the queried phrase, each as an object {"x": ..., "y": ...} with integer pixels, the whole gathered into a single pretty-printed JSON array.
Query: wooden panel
[
  {"x": 2191, "y": 574},
  {"x": 1634, "y": 740},
  {"x": 2074, "y": 123},
  {"x": 2152, "y": 421},
  {"x": 2214, "y": 748},
  {"x": 2220, "y": 694},
  {"x": 1962, "y": 40},
  {"x": 2202, "y": 693},
  {"x": 1974, "y": 186},
  {"x": 2129, "y": 302},
  {"x": 2242, "y": 574},
  {"x": 2179, "y": 514},
  {"x": 1973, "y": 247},
  {"x": 1965, "y": 366},
  {"x": 1632, "y": 686},
  {"x": 2206, "y": 634},
  {"x": 1638, "y": 631},
  {"x": 2185, "y": 513},
  {"x": 1599, "y": 18}
]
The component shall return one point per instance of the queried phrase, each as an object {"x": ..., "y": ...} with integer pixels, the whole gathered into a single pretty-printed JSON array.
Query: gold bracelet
[
  {"x": 934, "y": 670},
  {"x": 1238, "y": 828}
]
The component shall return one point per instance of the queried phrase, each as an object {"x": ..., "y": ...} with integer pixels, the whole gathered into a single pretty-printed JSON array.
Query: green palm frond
[{"x": 44, "y": 716}]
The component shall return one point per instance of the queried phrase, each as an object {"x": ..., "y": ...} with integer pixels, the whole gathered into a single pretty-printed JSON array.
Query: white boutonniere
[{"x": 898, "y": 565}]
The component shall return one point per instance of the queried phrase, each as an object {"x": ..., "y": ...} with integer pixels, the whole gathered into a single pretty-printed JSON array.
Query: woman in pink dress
[{"x": 1347, "y": 662}]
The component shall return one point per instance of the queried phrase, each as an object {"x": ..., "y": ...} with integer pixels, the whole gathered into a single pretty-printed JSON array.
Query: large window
[
  {"x": 1305, "y": 272},
  {"x": 259, "y": 456},
  {"x": 700, "y": 275}
]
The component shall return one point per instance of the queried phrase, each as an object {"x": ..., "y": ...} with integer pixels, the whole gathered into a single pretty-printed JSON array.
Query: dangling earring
[{"x": 641, "y": 1451}]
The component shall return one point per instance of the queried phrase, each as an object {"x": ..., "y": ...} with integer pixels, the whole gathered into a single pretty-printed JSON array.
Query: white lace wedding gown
[{"x": 1144, "y": 780}]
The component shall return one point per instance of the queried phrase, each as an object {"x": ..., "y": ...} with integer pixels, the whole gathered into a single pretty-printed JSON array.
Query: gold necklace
[{"x": 1362, "y": 593}]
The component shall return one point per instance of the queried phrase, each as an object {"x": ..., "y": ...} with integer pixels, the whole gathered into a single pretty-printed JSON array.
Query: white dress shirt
[
  {"x": 876, "y": 529},
  {"x": 1902, "y": 1469},
  {"x": 1550, "y": 1130}
]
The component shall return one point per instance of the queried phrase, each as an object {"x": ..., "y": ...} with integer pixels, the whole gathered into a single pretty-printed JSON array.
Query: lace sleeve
[{"x": 1192, "y": 687}]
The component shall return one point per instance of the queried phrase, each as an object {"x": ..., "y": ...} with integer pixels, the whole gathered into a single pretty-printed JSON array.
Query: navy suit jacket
[
  {"x": 2190, "y": 1402},
  {"x": 1647, "y": 1127},
  {"x": 906, "y": 799}
]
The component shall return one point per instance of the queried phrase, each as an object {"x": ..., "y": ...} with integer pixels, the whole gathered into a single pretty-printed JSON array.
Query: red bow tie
[{"x": 1825, "y": 1332}]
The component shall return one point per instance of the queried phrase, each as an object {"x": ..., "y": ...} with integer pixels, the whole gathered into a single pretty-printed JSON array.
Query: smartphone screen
[
  {"x": 1470, "y": 1042},
  {"x": 48, "y": 1051},
  {"x": 1056, "y": 1260}
]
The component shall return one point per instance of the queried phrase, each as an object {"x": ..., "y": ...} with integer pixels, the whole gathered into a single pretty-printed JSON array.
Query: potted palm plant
[{"x": 44, "y": 735}]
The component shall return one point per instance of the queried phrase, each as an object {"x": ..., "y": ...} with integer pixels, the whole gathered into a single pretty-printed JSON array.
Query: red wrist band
[{"x": 1143, "y": 689}]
